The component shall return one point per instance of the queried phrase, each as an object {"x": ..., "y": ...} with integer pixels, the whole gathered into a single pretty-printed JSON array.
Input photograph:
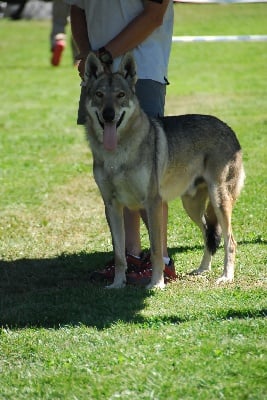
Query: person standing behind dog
[
  {"x": 110, "y": 29},
  {"x": 60, "y": 16}
]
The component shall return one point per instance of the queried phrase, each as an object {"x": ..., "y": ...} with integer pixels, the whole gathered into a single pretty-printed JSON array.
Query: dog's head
[{"x": 110, "y": 99}]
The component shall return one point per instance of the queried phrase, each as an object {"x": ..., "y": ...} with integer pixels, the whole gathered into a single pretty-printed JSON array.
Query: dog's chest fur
[
  {"x": 127, "y": 182},
  {"x": 128, "y": 186}
]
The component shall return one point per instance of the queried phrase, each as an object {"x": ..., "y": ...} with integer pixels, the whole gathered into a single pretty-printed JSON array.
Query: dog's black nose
[{"x": 108, "y": 114}]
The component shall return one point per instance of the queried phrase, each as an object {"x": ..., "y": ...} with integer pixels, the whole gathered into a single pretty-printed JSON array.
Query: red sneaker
[
  {"x": 143, "y": 276},
  {"x": 134, "y": 264},
  {"x": 139, "y": 271},
  {"x": 169, "y": 272},
  {"x": 57, "y": 50}
]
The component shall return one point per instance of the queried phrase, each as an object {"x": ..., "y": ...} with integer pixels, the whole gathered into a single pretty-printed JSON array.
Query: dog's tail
[
  {"x": 213, "y": 237},
  {"x": 212, "y": 229}
]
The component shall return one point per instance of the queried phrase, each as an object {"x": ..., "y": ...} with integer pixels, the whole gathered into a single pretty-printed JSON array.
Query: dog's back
[{"x": 202, "y": 148}]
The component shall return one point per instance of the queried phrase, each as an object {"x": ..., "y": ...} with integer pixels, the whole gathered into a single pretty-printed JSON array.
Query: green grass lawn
[{"x": 62, "y": 337}]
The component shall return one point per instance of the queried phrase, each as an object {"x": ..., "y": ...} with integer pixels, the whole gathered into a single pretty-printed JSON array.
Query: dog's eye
[
  {"x": 120, "y": 95},
  {"x": 99, "y": 94}
]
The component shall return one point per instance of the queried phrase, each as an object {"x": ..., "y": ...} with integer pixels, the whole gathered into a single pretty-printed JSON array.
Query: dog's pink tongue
[{"x": 110, "y": 136}]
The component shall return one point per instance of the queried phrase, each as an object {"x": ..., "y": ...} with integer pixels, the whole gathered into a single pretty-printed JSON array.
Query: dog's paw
[
  {"x": 157, "y": 285},
  {"x": 195, "y": 272},
  {"x": 119, "y": 281},
  {"x": 199, "y": 271},
  {"x": 116, "y": 285},
  {"x": 224, "y": 279}
]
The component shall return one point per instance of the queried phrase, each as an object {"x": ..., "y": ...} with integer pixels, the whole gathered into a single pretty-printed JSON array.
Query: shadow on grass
[{"x": 55, "y": 292}]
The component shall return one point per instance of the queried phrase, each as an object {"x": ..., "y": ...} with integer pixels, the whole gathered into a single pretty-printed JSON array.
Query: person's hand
[
  {"x": 81, "y": 60},
  {"x": 81, "y": 64},
  {"x": 81, "y": 68}
]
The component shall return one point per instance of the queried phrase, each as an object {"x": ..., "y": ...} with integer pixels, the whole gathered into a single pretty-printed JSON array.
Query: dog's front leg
[
  {"x": 114, "y": 215},
  {"x": 154, "y": 219}
]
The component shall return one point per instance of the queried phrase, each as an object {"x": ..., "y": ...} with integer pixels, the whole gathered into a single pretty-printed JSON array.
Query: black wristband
[{"x": 105, "y": 56}]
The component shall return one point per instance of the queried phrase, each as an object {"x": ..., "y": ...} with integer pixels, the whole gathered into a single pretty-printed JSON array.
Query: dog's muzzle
[
  {"x": 108, "y": 114},
  {"x": 109, "y": 127},
  {"x": 111, "y": 121}
]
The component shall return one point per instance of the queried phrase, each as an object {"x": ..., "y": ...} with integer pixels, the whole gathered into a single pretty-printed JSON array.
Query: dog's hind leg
[
  {"x": 202, "y": 213},
  {"x": 114, "y": 215},
  {"x": 223, "y": 205}
]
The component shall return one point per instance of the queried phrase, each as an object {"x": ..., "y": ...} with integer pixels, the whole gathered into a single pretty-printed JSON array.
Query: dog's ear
[
  {"x": 93, "y": 67},
  {"x": 128, "y": 69}
]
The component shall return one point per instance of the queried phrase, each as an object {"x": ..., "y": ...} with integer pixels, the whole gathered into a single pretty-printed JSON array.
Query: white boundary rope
[
  {"x": 219, "y": 1},
  {"x": 226, "y": 38}
]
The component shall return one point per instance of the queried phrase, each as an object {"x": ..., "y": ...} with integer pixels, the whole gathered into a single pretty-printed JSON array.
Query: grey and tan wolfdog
[{"x": 139, "y": 162}]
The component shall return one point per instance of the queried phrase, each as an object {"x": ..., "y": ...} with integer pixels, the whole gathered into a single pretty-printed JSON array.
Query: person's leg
[
  {"x": 151, "y": 96},
  {"x": 165, "y": 230},
  {"x": 81, "y": 116},
  {"x": 132, "y": 232},
  {"x": 60, "y": 13}
]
